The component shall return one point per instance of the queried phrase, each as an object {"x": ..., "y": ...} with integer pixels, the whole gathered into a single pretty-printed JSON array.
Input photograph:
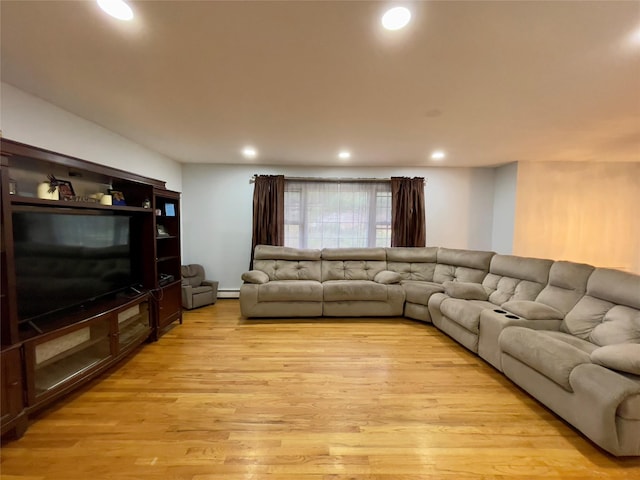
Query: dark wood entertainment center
[{"x": 42, "y": 360}]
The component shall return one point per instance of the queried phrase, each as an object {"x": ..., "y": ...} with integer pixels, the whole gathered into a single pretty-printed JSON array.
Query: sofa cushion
[
  {"x": 351, "y": 269},
  {"x": 567, "y": 284},
  {"x": 413, "y": 263},
  {"x": 465, "y": 290},
  {"x": 609, "y": 312},
  {"x": 523, "y": 268},
  {"x": 290, "y": 291},
  {"x": 271, "y": 252},
  {"x": 532, "y": 310},
  {"x": 354, "y": 254},
  {"x": 549, "y": 356},
  {"x": 461, "y": 265},
  {"x": 199, "y": 290},
  {"x": 255, "y": 276},
  {"x": 615, "y": 286},
  {"x": 580, "y": 344},
  {"x": 289, "y": 269},
  {"x": 386, "y": 277},
  {"x": 354, "y": 290},
  {"x": 516, "y": 278},
  {"x": 624, "y": 357},
  {"x": 419, "y": 292},
  {"x": 412, "y": 254},
  {"x": 464, "y": 312},
  {"x": 602, "y": 322}
]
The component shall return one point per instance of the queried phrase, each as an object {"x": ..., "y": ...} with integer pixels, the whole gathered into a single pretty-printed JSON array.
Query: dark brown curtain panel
[
  {"x": 268, "y": 212},
  {"x": 408, "y": 227}
]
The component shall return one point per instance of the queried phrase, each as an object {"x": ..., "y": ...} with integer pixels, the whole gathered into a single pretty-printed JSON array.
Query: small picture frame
[
  {"x": 170, "y": 210},
  {"x": 65, "y": 189},
  {"x": 161, "y": 231},
  {"x": 117, "y": 197}
]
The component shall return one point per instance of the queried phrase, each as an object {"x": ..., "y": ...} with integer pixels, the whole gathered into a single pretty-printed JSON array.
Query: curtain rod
[{"x": 317, "y": 179}]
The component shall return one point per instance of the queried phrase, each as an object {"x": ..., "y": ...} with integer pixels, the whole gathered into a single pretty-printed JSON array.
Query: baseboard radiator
[{"x": 228, "y": 293}]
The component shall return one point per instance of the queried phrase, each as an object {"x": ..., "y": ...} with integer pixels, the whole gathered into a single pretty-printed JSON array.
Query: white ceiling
[{"x": 488, "y": 82}]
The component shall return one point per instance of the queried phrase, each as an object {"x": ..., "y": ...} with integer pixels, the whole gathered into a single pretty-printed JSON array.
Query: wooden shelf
[
  {"x": 39, "y": 202},
  {"x": 166, "y": 259}
]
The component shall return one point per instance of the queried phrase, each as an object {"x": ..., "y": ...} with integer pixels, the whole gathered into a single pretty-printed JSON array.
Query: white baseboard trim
[{"x": 228, "y": 293}]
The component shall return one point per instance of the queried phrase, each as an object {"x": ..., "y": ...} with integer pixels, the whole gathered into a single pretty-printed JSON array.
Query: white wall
[
  {"x": 504, "y": 208},
  {"x": 217, "y": 210},
  {"x": 579, "y": 211},
  {"x": 28, "y": 119}
]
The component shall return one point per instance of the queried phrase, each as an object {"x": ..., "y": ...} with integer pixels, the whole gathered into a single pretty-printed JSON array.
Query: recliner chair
[{"x": 196, "y": 291}]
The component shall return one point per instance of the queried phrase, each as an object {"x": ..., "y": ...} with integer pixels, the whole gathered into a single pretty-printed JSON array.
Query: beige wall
[{"x": 584, "y": 212}]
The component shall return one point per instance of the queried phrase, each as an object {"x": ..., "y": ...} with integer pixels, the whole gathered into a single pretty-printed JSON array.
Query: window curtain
[
  {"x": 268, "y": 212},
  {"x": 408, "y": 227}
]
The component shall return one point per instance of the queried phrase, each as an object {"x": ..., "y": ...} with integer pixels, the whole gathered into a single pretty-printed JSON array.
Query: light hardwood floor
[{"x": 220, "y": 397}]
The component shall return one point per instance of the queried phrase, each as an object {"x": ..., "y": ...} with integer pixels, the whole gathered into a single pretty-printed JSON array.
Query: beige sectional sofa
[{"x": 567, "y": 333}]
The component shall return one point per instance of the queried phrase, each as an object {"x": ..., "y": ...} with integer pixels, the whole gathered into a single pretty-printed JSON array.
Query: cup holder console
[
  {"x": 506, "y": 314},
  {"x": 511, "y": 316},
  {"x": 500, "y": 311}
]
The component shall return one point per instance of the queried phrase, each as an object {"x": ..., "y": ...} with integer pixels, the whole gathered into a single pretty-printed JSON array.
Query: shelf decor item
[
  {"x": 65, "y": 190},
  {"x": 117, "y": 197},
  {"x": 49, "y": 190},
  {"x": 161, "y": 231}
]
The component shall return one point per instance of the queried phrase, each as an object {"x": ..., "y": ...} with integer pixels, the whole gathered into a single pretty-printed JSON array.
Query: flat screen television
[{"x": 69, "y": 258}]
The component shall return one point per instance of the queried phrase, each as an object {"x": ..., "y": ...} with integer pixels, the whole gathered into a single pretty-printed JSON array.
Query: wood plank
[{"x": 221, "y": 397}]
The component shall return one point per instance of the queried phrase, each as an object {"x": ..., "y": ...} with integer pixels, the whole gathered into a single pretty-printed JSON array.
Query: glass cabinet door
[
  {"x": 134, "y": 325},
  {"x": 59, "y": 359}
]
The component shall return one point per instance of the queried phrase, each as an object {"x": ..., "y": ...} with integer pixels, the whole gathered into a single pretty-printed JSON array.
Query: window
[{"x": 325, "y": 214}]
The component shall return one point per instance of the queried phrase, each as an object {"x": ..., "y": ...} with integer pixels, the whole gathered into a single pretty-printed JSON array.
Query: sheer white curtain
[{"x": 327, "y": 214}]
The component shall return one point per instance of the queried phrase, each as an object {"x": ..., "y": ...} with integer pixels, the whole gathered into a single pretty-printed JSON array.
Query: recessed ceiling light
[
  {"x": 438, "y": 155},
  {"x": 344, "y": 155},
  {"x": 396, "y": 18},
  {"x": 116, "y": 8},
  {"x": 249, "y": 152}
]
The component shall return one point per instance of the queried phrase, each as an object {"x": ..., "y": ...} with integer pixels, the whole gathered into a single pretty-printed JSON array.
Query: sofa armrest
[
  {"x": 608, "y": 395},
  {"x": 387, "y": 277},
  {"x": 187, "y": 296},
  {"x": 255, "y": 276},
  {"x": 209, "y": 283},
  {"x": 532, "y": 310},
  {"x": 492, "y": 323},
  {"x": 466, "y": 290}
]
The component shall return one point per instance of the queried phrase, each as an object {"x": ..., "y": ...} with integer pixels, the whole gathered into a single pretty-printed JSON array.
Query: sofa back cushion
[
  {"x": 567, "y": 284},
  {"x": 609, "y": 312},
  {"x": 413, "y": 263},
  {"x": 461, "y": 265},
  {"x": 285, "y": 263},
  {"x": 516, "y": 278},
  {"x": 352, "y": 263}
]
